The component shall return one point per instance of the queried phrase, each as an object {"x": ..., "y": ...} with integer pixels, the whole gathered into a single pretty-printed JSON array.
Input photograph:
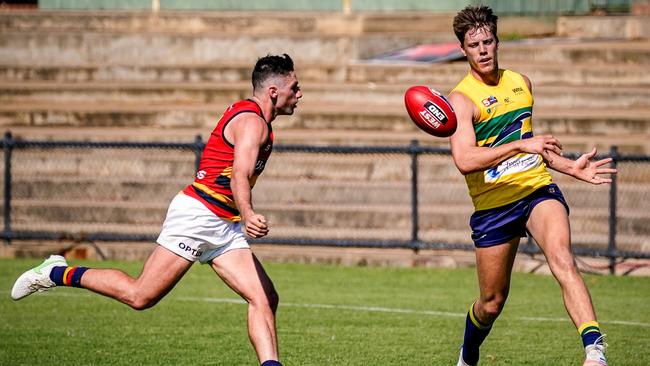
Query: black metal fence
[{"x": 345, "y": 196}]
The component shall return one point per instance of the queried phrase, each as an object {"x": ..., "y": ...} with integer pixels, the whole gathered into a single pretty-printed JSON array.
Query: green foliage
[{"x": 328, "y": 315}]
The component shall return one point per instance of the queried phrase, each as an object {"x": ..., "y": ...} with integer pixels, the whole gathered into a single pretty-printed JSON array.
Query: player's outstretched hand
[
  {"x": 541, "y": 145},
  {"x": 589, "y": 171},
  {"x": 255, "y": 226}
]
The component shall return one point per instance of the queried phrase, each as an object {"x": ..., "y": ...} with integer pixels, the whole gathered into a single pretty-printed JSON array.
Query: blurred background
[{"x": 106, "y": 105}]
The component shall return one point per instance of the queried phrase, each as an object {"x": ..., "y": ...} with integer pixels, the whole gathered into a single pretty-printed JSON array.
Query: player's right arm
[
  {"x": 247, "y": 132},
  {"x": 470, "y": 158}
]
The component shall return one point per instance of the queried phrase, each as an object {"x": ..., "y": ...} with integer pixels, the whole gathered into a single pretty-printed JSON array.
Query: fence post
[
  {"x": 414, "y": 151},
  {"x": 198, "y": 151},
  {"x": 8, "y": 148},
  {"x": 611, "y": 246}
]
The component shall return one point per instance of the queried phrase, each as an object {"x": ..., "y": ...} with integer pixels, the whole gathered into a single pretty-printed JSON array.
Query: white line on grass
[
  {"x": 399, "y": 310},
  {"x": 367, "y": 309}
]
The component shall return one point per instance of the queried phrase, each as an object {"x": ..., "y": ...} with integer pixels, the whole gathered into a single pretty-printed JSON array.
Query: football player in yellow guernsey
[{"x": 505, "y": 168}]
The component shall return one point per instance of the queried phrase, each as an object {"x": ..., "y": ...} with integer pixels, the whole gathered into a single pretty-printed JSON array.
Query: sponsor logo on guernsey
[
  {"x": 518, "y": 90},
  {"x": 489, "y": 100},
  {"x": 187, "y": 248},
  {"x": 516, "y": 164},
  {"x": 200, "y": 174}
]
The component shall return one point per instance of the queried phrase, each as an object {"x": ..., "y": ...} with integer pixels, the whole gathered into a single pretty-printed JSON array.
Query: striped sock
[
  {"x": 590, "y": 332},
  {"x": 475, "y": 333},
  {"x": 67, "y": 276},
  {"x": 271, "y": 363}
]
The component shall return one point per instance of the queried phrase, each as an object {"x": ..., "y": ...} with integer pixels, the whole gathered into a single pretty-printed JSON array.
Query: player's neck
[
  {"x": 491, "y": 78},
  {"x": 268, "y": 112}
]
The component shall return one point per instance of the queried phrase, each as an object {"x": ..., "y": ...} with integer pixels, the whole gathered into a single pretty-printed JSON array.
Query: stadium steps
[
  {"x": 167, "y": 78},
  {"x": 298, "y": 190},
  {"x": 353, "y": 71},
  {"x": 178, "y": 48},
  {"x": 234, "y": 22},
  {"x": 366, "y": 221},
  {"x": 360, "y": 216},
  {"x": 595, "y": 122},
  {"x": 135, "y": 93},
  {"x": 210, "y": 36},
  {"x": 540, "y": 73},
  {"x": 636, "y": 144},
  {"x": 155, "y": 164}
]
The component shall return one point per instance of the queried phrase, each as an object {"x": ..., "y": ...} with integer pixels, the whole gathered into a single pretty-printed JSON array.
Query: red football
[{"x": 430, "y": 111}]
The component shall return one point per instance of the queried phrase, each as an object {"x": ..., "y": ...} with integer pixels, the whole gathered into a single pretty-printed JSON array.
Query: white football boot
[
  {"x": 595, "y": 353},
  {"x": 37, "y": 278},
  {"x": 461, "y": 362}
]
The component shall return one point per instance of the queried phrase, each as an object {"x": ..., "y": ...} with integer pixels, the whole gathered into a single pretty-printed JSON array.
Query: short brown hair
[
  {"x": 474, "y": 17},
  {"x": 270, "y": 66}
]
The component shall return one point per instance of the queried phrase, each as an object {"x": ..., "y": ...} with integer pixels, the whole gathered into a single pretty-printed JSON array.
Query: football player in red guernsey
[{"x": 207, "y": 221}]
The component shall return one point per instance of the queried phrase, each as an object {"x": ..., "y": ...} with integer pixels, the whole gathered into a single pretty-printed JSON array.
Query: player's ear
[{"x": 273, "y": 91}]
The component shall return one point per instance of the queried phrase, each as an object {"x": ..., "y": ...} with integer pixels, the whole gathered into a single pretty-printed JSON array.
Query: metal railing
[{"x": 414, "y": 151}]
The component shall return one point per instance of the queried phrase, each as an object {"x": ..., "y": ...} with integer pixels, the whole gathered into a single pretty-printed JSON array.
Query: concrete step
[
  {"x": 256, "y": 22},
  {"x": 568, "y": 51},
  {"x": 88, "y": 48},
  {"x": 616, "y": 27},
  {"x": 152, "y": 164},
  {"x": 592, "y": 121},
  {"x": 326, "y": 190},
  {"x": 103, "y": 164},
  {"x": 436, "y": 75},
  {"x": 218, "y": 72},
  {"x": 540, "y": 73},
  {"x": 230, "y": 22},
  {"x": 137, "y": 93},
  {"x": 93, "y": 47},
  {"x": 625, "y": 242},
  {"x": 628, "y": 144},
  {"x": 366, "y": 217}
]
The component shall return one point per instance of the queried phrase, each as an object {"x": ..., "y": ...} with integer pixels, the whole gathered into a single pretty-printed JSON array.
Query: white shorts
[{"x": 194, "y": 232}]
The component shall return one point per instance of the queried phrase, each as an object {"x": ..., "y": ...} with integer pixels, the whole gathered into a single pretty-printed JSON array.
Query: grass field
[{"x": 328, "y": 316}]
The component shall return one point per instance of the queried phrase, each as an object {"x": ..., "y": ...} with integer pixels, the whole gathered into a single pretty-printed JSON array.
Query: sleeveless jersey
[
  {"x": 506, "y": 115},
  {"x": 212, "y": 183}
]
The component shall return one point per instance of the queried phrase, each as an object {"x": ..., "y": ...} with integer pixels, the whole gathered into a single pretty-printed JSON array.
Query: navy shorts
[{"x": 499, "y": 225}]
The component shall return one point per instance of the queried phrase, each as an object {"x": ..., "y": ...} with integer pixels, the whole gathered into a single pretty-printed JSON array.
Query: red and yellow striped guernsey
[
  {"x": 212, "y": 183},
  {"x": 506, "y": 115}
]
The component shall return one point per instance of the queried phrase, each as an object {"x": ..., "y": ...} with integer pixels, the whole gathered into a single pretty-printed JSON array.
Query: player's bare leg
[
  {"x": 240, "y": 269},
  {"x": 162, "y": 271},
  {"x": 494, "y": 266},
  {"x": 549, "y": 225}
]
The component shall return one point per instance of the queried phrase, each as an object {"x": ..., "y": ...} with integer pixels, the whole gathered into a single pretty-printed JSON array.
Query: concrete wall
[
  {"x": 300, "y": 5},
  {"x": 511, "y": 7}
]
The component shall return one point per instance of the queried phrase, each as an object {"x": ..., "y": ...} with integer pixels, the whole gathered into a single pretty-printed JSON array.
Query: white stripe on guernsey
[{"x": 372, "y": 309}]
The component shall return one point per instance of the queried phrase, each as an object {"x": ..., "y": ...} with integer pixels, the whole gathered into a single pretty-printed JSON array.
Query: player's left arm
[
  {"x": 248, "y": 132},
  {"x": 582, "y": 168}
]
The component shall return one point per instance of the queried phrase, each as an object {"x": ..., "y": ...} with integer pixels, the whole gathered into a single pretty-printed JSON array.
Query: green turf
[{"x": 324, "y": 318}]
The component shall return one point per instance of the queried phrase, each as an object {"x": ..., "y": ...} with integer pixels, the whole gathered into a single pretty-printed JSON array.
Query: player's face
[
  {"x": 288, "y": 94},
  {"x": 480, "y": 47}
]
